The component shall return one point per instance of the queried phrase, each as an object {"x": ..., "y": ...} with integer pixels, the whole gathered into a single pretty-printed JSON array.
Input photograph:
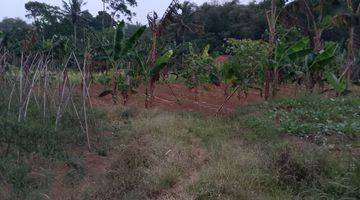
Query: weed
[
  {"x": 76, "y": 172},
  {"x": 18, "y": 177},
  {"x": 169, "y": 178}
]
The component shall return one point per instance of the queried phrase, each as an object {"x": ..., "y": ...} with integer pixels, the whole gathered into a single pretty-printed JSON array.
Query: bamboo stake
[
  {"x": 11, "y": 95},
  {"x": 45, "y": 90},
  {"x": 77, "y": 113},
  {"x": 226, "y": 100},
  {"x": 173, "y": 93},
  {"x": 82, "y": 75},
  {"x": 58, "y": 113},
  {"x": 27, "y": 100},
  {"x": 20, "y": 85},
  {"x": 85, "y": 95},
  {"x": 84, "y": 104}
]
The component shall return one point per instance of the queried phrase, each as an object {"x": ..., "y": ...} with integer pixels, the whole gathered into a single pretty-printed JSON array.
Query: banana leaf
[
  {"x": 130, "y": 43},
  {"x": 161, "y": 63},
  {"x": 118, "y": 40},
  {"x": 324, "y": 58},
  {"x": 338, "y": 84},
  {"x": 299, "y": 49}
]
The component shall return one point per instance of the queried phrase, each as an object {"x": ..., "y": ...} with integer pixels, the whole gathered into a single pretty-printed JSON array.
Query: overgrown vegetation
[
  {"x": 233, "y": 158},
  {"x": 58, "y": 140}
]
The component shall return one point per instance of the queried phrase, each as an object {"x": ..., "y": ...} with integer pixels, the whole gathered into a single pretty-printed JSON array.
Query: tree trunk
[
  {"x": 271, "y": 21},
  {"x": 152, "y": 60},
  {"x": 351, "y": 57},
  {"x": 275, "y": 82},
  {"x": 267, "y": 84},
  {"x": 318, "y": 45},
  {"x": 75, "y": 36}
]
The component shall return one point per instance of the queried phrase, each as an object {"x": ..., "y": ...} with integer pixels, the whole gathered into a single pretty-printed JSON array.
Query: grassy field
[{"x": 306, "y": 148}]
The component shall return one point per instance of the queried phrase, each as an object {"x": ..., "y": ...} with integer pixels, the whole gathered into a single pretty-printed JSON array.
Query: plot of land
[{"x": 177, "y": 97}]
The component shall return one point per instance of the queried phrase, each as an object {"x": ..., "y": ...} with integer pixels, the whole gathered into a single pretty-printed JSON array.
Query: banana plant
[
  {"x": 151, "y": 74},
  {"x": 311, "y": 17},
  {"x": 117, "y": 52},
  {"x": 285, "y": 54},
  {"x": 337, "y": 84},
  {"x": 316, "y": 62}
]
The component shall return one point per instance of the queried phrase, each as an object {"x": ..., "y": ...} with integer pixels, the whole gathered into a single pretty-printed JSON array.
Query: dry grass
[{"x": 183, "y": 156}]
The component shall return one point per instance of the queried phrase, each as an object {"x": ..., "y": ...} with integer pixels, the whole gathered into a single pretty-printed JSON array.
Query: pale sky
[{"x": 16, "y": 8}]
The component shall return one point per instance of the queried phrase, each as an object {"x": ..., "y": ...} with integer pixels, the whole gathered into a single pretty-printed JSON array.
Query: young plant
[
  {"x": 338, "y": 84},
  {"x": 197, "y": 67},
  {"x": 117, "y": 53},
  {"x": 246, "y": 67},
  {"x": 152, "y": 74}
]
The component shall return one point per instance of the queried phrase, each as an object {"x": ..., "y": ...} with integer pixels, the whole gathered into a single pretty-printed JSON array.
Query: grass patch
[
  {"x": 21, "y": 143},
  {"x": 316, "y": 115},
  {"x": 261, "y": 152}
]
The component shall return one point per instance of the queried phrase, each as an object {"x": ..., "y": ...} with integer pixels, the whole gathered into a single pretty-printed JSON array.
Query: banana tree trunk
[
  {"x": 275, "y": 82},
  {"x": 318, "y": 45},
  {"x": 152, "y": 60},
  {"x": 267, "y": 84},
  {"x": 75, "y": 36},
  {"x": 351, "y": 57},
  {"x": 269, "y": 79}
]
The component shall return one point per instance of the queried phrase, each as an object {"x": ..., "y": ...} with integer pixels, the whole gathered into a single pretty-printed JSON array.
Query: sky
[{"x": 15, "y": 8}]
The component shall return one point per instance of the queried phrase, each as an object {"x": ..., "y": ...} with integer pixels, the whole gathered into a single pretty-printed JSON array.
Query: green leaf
[
  {"x": 206, "y": 50},
  {"x": 121, "y": 84},
  {"x": 214, "y": 79},
  {"x": 326, "y": 22},
  {"x": 228, "y": 73},
  {"x": 299, "y": 49},
  {"x": 131, "y": 42},
  {"x": 161, "y": 63},
  {"x": 324, "y": 58},
  {"x": 338, "y": 84},
  {"x": 118, "y": 40}
]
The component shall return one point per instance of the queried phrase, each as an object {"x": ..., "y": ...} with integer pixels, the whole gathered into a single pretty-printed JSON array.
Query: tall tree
[
  {"x": 47, "y": 18},
  {"x": 73, "y": 11},
  {"x": 185, "y": 23},
  {"x": 120, "y": 7}
]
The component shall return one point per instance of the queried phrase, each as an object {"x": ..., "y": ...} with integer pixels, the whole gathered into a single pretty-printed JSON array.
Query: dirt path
[{"x": 191, "y": 176}]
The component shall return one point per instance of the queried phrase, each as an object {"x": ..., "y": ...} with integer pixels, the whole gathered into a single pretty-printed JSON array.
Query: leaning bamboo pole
[{"x": 85, "y": 94}]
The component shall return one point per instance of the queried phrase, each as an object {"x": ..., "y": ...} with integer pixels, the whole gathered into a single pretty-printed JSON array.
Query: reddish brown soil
[{"x": 206, "y": 99}]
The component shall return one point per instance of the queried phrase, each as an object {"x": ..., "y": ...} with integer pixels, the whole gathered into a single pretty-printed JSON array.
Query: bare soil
[{"x": 206, "y": 99}]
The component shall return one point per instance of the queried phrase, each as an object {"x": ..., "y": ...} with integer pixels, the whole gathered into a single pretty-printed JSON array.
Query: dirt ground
[{"x": 176, "y": 97}]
